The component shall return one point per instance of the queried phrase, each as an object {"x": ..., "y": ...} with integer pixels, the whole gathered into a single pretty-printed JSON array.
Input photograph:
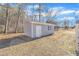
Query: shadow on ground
[{"x": 14, "y": 41}]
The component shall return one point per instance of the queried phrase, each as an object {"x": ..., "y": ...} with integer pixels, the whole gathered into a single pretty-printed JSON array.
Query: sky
[{"x": 62, "y": 10}]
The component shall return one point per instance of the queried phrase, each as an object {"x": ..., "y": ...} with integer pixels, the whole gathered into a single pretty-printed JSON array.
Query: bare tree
[
  {"x": 51, "y": 14},
  {"x": 51, "y": 17},
  {"x": 2, "y": 18},
  {"x": 18, "y": 17},
  {"x": 6, "y": 22}
]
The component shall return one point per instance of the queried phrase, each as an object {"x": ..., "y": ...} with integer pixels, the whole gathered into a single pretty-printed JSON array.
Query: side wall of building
[
  {"x": 27, "y": 29},
  {"x": 47, "y": 30},
  {"x": 33, "y": 32}
]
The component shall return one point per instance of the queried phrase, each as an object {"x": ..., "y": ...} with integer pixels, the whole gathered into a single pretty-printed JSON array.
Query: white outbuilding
[{"x": 38, "y": 29}]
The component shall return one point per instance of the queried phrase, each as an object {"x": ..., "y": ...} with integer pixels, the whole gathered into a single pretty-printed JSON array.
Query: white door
[{"x": 38, "y": 31}]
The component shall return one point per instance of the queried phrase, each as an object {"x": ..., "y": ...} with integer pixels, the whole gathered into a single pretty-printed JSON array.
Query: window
[{"x": 49, "y": 27}]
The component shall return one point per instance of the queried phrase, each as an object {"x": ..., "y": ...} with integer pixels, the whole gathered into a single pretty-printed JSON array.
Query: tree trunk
[
  {"x": 6, "y": 22},
  {"x": 17, "y": 22}
]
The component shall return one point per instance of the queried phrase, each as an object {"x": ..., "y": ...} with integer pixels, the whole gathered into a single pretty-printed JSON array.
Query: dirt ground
[{"x": 61, "y": 43}]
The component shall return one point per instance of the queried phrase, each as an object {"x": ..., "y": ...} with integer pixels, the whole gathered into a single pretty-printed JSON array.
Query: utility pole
[
  {"x": 39, "y": 12},
  {"x": 65, "y": 23}
]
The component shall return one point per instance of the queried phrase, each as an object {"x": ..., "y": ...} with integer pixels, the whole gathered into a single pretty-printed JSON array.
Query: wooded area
[{"x": 11, "y": 19}]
